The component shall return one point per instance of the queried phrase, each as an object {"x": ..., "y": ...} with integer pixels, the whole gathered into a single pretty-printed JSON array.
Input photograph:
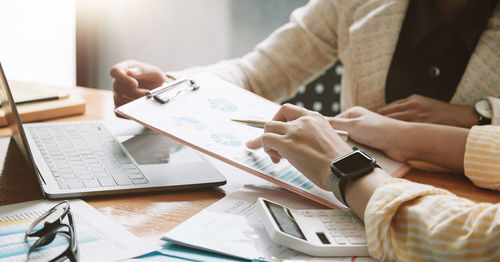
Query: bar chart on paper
[
  {"x": 95, "y": 242},
  {"x": 14, "y": 248},
  {"x": 282, "y": 171}
]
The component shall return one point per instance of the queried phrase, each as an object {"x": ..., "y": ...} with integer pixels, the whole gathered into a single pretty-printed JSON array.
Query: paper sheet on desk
[
  {"x": 202, "y": 119},
  {"x": 231, "y": 226},
  {"x": 98, "y": 238}
]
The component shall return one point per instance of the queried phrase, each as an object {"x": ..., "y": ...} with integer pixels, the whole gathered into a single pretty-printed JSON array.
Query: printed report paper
[
  {"x": 232, "y": 226},
  {"x": 99, "y": 239}
]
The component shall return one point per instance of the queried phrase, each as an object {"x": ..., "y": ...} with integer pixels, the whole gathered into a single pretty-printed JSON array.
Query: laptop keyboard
[{"x": 85, "y": 156}]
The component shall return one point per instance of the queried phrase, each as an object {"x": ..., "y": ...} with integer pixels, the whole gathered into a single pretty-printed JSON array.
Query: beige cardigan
[{"x": 363, "y": 35}]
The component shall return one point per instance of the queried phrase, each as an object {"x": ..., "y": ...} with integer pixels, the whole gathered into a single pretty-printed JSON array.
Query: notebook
[
  {"x": 88, "y": 158},
  {"x": 198, "y": 111},
  {"x": 67, "y": 104}
]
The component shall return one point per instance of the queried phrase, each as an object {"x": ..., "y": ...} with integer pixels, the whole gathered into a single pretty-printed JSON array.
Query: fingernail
[{"x": 134, "y": 70}]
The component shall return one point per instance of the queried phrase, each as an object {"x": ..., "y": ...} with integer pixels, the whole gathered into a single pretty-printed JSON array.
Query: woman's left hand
[
  {"x": 306, "y": 139},
  {"x": 416, "y": 108}
]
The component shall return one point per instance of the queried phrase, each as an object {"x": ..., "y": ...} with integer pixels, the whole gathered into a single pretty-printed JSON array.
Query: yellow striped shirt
[{"x": 407, "y": 221}]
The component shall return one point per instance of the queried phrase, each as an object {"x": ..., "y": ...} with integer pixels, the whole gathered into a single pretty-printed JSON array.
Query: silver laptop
[{"x": 88, "y": 158}]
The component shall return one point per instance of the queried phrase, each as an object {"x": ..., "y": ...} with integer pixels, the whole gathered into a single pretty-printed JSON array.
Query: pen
[
  {"x": 42, "y": 99},
  {"x": 260, "y": 124}
]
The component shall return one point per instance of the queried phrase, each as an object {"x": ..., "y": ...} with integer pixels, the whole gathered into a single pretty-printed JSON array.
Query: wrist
[
  {"x": 469, "y": 117},
  {"x": 412, "y": 140},
  {"x": 437, "y": 144},
  {"x": 340, "y": 151},
  {"x": 402, "y": 141},
  {"x": 359, "y": 191}
]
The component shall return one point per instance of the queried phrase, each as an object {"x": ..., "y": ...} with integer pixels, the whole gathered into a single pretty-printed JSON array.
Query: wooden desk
[{"x": 150, "y": 215}]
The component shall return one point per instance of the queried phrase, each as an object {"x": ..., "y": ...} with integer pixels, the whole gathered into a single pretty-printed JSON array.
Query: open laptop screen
[{"x": 13, "y": 120}]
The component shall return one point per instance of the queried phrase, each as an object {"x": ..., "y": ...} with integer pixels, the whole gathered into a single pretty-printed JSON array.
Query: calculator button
[
  {"x": 353, "y": 233},
  {"x": 322, "y": 213},
  {"x": 340, "y": 240},
  {"x": 343, "y": 219},
  {"x": 330, "y": 226},
  {"x": 346, "y": 226},
  {"x": 325, "y": 219},
  {"x": 336, "y": 233},
  {"x": 335, "y": 213},
  {"x": 307, "y": 213},
  {"x": 357, "y": 240}
]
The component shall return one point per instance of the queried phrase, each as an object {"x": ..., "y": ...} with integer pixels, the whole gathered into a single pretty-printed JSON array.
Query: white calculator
[{"x": 321, "y": 232}]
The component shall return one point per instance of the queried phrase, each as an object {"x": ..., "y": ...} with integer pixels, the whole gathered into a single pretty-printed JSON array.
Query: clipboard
[{"x": 197, "y": 112}]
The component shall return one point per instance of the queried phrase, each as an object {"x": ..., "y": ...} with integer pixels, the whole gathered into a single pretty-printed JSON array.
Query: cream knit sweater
[{"x": 361, "y": 33}]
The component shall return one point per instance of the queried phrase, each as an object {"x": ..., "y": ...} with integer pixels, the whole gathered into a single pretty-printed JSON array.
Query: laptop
[{"x": 91, "y": 158}]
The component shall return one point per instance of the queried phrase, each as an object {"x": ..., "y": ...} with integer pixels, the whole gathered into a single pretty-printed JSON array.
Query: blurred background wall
[
  {"x": 172, "y": 34},
  {"x": 37, "y": 40},
  {"x": 75, "y": 42}
]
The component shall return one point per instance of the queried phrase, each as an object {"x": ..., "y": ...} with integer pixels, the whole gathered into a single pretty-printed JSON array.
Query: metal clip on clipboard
[{"x": 161, "y": 95}]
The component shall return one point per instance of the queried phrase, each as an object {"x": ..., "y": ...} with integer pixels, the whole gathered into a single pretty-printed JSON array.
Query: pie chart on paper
[
  {"x": 189, "y": 124},
  {"x": 222, "y": 105},
  {"x": 226, "y": 140}
]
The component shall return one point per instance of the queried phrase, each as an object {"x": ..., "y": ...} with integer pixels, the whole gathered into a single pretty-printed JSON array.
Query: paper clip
[{"x": 160, "y": 93}]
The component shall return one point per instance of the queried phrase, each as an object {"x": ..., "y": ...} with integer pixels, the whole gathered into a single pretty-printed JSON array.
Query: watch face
[
  {"x": 483, "y": 108},
  {"x": 352, "y": 163}
]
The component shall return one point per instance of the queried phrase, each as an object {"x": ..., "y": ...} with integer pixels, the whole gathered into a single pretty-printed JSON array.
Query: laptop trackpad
[{"x": 154, "y": 149}]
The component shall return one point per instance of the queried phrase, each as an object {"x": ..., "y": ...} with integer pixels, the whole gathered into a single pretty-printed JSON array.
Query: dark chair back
[{"x": 323, "y": 93}]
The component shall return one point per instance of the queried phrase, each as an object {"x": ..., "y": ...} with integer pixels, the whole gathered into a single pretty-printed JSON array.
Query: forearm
[
  {"x": 438, "y": 144},
  {"x": 416, "y": 222}
]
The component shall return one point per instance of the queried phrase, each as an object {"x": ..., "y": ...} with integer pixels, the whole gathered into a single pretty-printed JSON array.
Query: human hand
[
  {"x": 306, "y": 139},
  {"x": 133, "y": 79},
  {"x": 416, "y": 108},
  {"x": 374, "y": 130}
]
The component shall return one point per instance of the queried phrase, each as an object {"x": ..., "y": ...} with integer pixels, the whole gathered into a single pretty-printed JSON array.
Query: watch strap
[
  {"x": 483, "y": 109},
  {"x": 484, "y": 120},
  {"x": 337, "y": 186}
]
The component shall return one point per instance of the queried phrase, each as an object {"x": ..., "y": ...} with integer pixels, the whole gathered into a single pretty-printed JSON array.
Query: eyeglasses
[{"x": 51, "y": 228}]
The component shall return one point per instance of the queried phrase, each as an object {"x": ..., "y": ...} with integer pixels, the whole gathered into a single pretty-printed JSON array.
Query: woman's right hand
[
  {"x": 374, "y": 130},
  {"x": 133, "y": 79}
]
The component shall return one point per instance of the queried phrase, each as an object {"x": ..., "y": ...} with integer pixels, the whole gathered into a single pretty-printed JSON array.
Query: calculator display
[{"x": 284, "y": 220}]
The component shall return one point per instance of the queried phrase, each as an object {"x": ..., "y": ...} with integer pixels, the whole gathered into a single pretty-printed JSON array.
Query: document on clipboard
[{"x": 198, "y": 111}]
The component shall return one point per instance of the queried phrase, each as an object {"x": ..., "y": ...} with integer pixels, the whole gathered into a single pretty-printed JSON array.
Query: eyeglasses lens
[{"x": 52, "y": 236}]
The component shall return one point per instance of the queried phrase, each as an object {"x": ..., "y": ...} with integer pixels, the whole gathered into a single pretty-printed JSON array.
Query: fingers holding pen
[
  {"x": 273, "y": 130},
  {"x": 289, "y": 112},
  {"x": 277, "y": 131}
]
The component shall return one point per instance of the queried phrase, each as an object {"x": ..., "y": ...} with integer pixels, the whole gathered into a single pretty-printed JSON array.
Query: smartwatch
[
  {"x": 349, "y": 167},
  {"x": 484, "y": 110}
]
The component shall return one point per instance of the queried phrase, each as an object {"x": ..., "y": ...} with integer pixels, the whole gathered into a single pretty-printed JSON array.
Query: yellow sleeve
[
  {"x": 407, "y": 221},
  {"x": 482, "y": 156}
]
